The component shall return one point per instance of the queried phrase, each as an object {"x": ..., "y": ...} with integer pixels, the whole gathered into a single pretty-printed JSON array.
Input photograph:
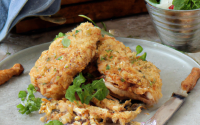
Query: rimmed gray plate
[{"x": 174, "y": 66}]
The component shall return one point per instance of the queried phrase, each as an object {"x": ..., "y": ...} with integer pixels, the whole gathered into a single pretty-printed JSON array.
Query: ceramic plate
[{"x": 175, "y": 67}]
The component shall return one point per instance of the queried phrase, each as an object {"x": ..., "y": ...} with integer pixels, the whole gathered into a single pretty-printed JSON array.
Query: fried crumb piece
[
  {"x": 191, "y": 80},
  {"x": 7, "y": 74},
  {"x": 78, "y": 113}
]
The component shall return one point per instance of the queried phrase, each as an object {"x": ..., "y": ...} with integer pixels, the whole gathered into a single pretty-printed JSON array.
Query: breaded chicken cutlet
[
  {"x": 126, "y": 76},
  {"x": 54, "y": 70}
]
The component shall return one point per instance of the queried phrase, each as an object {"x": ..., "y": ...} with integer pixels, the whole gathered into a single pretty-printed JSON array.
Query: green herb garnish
[
  {"x": 66, "y": 42},
  {"x": 57, "y": 77},
  {"x": 8, "y": 53},
  {"x": 139, "y": 49},
  {"x": 143, "y": 57},
  {"x": 154, "y": 1},
  {"x": 133, "y": 60},
  {"x": 103, "y": 58},
  {"x": 48, "y": 59},
  {"x": 86, "y": 92},
  {"x": 111, "y": 57},
  {"x": 107, "y": 67},
  {"x": 186, "y": 4},
  {"x": 77, "y": 31},
  {"x": 88, "y": 19},
  {"x": 59, "y": 58},
  {"x": 104, "y": 26},
  {"x": 122, "y": 80},
  {"x": 30, "y": 103},
  {"x": 152, "y": 82},
  {"x": 108, "y": 50},
  {"x": 54, "y": 122},
  {"x": 103, "y": 32},
  {"x": 22, "y": 95},
  {"x": 60, "y": 35}
]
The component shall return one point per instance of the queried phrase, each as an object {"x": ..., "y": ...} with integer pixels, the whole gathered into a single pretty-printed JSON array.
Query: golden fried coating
[
  {"x": 76, "y": 113},
  {"x": 189, "y": 83},
  {"x": 114, "y": 105},
  {"x": 54, "y": 70},
  {"x": 126, "y": 76},
  {"x": 7, "y": 74}
]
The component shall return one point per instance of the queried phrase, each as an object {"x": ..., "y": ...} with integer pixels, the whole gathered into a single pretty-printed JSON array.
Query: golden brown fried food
[
  {"x": 54, "y": 70},
  {"x": 189, "y": 83},
  {"x": 7, "y": 74},
  {"x": 113, "y": 104},
  {"x": 126, "y": 76},
  {"x": 73, "y": 113}
]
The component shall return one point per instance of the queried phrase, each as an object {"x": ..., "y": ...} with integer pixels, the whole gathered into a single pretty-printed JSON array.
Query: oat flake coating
[
  {"x": 54, "y": 70},
  {"x": 126, "y": 76}
]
